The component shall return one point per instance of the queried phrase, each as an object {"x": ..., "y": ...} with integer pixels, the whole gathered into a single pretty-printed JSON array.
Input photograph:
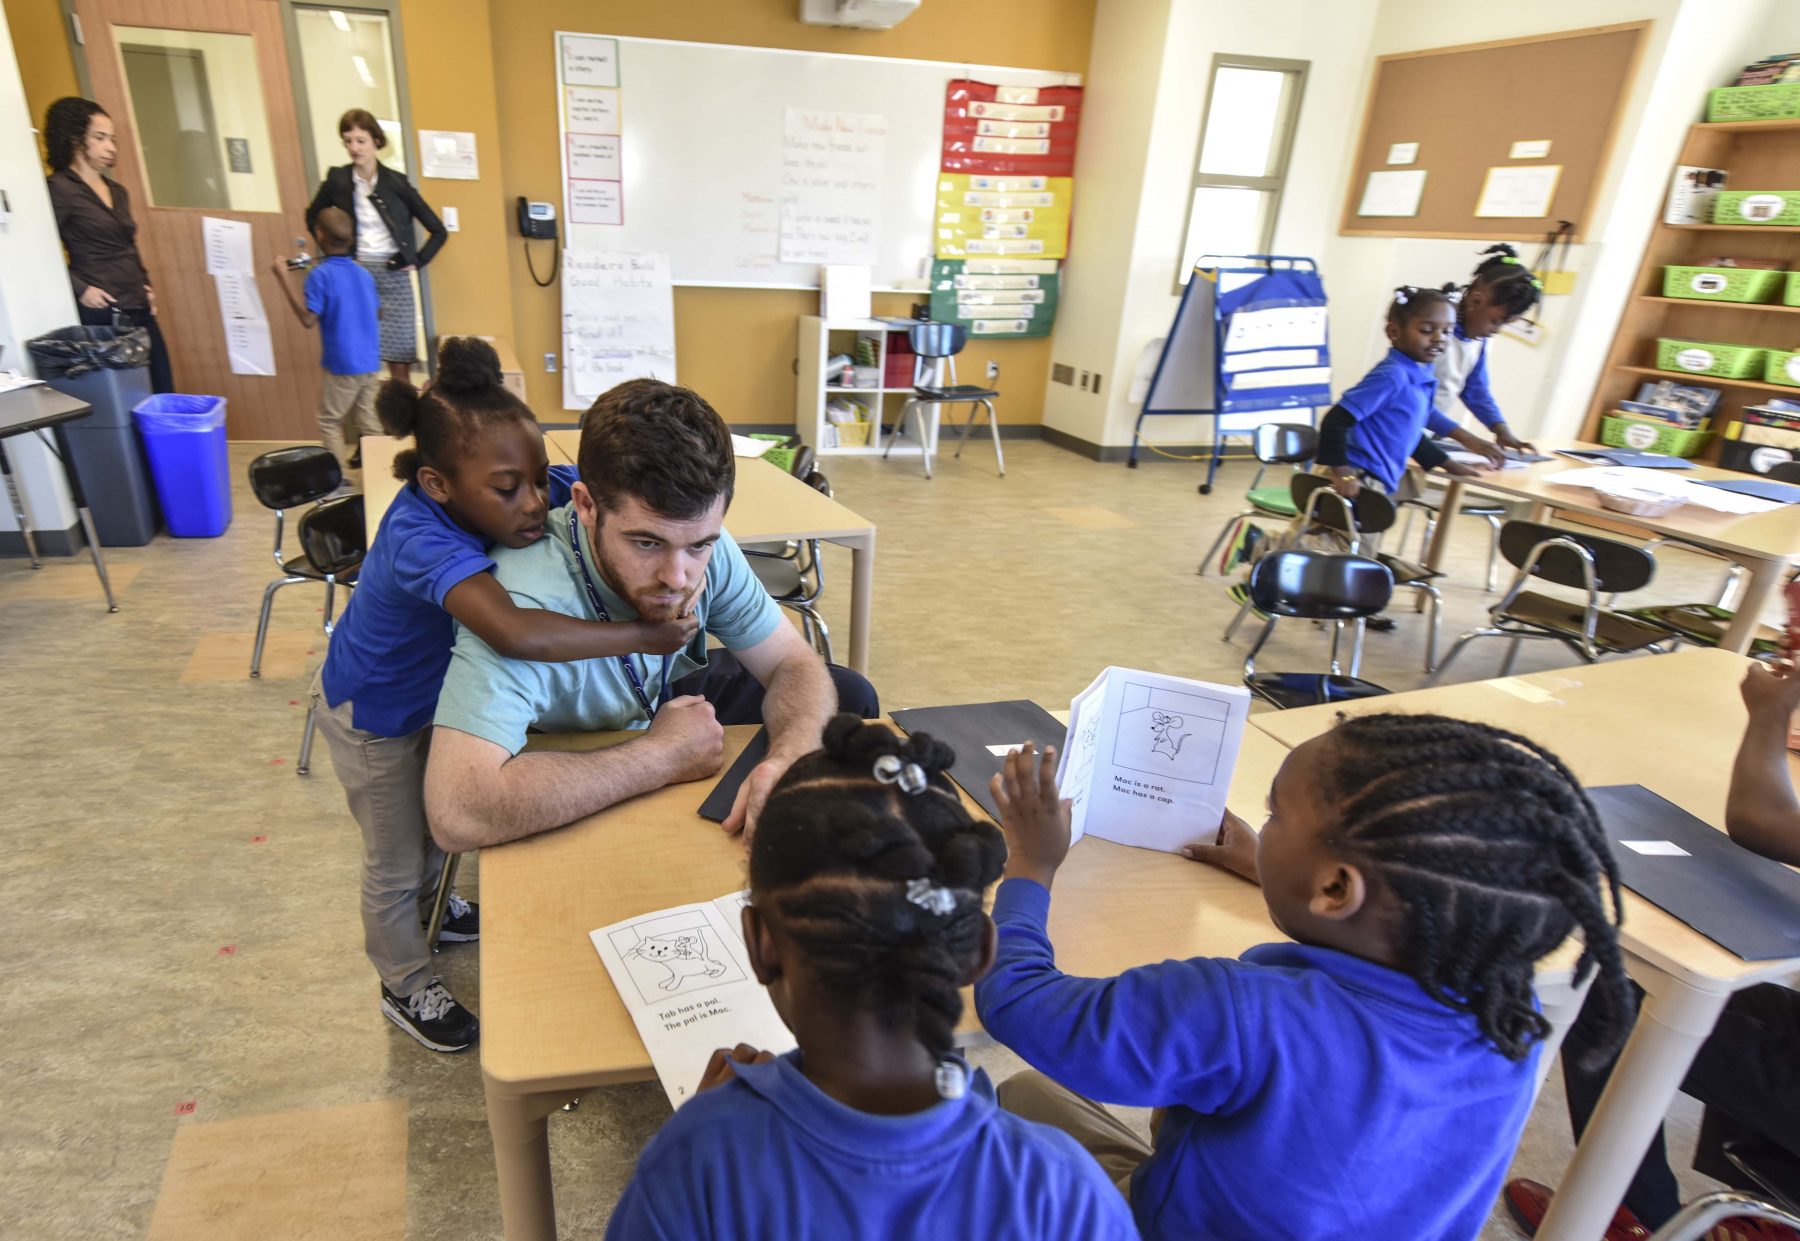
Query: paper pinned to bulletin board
[{"x": 1521, "y": 193}]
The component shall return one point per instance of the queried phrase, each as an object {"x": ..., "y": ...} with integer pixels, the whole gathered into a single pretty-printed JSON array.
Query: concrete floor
[{"x": 187, "y": 949}]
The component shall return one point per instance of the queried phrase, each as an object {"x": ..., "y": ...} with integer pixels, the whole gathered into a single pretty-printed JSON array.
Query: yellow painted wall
[
  {"x": 737, "y": 346},
  {"x": 41, "y": 46}
]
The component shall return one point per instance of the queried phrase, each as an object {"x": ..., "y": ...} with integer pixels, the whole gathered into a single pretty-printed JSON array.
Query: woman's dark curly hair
[
  {"x": 836, "y": 853},
  {"x": 65, "y": 128}
]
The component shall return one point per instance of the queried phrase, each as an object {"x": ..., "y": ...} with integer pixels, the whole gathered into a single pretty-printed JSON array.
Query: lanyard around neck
[{"x": 631, "y": 672}]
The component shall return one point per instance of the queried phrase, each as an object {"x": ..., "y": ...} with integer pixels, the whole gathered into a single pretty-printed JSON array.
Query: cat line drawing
[
  {"x": 682, "y": 955},
  {"x": 1162, "y": 732}
]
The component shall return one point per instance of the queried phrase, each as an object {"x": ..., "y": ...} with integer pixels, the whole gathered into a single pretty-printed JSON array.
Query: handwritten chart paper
[
  {"x": 588, "y": 61},
  {"x": 618, "y": 321},
  {"x": 685, "y": 978},
  {"x": 831, "y": 168}
]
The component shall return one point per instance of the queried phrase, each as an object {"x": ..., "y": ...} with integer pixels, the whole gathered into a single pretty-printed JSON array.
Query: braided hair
[
  {"x": 879, "y": 888},
  {"x": 1411, "y": 301},
  {"x": 469, "y": 397},
  {"x": 1507, "y": 282},
  {"x": 1495, "y": 854}
]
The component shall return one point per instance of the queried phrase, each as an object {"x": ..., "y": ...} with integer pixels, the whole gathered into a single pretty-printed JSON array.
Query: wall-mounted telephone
[{"x": 537, "y": 220}]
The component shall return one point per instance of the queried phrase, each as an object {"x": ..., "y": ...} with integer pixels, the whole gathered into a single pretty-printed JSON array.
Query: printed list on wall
[
  {"x": 831, "y": 170},
  {"x": 618, "y": 321},
  {"x": 1005, "y": 189}
]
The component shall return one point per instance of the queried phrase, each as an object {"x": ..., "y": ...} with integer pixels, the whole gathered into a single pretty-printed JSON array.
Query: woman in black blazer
[{"x": 384, "y": 207}]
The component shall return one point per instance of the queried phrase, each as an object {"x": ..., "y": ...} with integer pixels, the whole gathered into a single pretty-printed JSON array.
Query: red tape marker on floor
[
  {"x": 229, "y": 950},
  {"x": 259, "y": 840},
  {"x": 186, "y": 1109}
]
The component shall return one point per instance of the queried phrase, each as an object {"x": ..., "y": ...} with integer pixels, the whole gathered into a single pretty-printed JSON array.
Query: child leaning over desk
[
  {"x": 1501, "y": 290},
  {"x": 1370, "y": 1079},
  {"x": 476, "y": 477}
]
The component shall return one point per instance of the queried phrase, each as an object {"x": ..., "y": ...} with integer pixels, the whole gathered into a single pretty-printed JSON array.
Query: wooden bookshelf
[{"x": 1759, "y": 155}]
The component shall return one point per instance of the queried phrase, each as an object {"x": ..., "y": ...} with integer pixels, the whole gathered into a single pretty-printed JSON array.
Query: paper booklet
[
  {"x": 1148, "y": 759},
  {"x": 685, "y": 979}
]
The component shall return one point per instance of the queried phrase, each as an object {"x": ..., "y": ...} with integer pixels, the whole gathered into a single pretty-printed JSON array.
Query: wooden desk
[
  {"x": 769, "y": 506},
  {"x": 553, "y": 1025},
  {"x": 1767, "y": 544},
  {"x": 1671, "y": 723}
]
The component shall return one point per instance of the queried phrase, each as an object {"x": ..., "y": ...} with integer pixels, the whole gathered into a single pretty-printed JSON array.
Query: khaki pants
[
  {"x": 1109, "y": 1140},
  {"x": 384, "y": 780},
  {"x": 347, "y": 413}
]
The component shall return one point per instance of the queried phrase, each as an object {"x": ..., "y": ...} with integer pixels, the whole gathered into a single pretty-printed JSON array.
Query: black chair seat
[
  {"x": 1405, "y": 571},
  {"x": 302, "y": 566},
  {"x": 957, "y": 392},
  {"x": 1614, "y": 632},
  {"x": 1309, "y": 689},
  {"x": 780, "y": 575},
  {"x": 1468, "y": 508}
]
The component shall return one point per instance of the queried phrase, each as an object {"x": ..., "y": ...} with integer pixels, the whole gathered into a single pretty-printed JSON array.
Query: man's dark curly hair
[
  {"x": 662, "y": 444},
  {"x": 65, "y": 128}
]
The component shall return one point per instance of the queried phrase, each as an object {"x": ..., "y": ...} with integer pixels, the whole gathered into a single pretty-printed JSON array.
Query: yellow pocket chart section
[{"x": 991, "y": 216}]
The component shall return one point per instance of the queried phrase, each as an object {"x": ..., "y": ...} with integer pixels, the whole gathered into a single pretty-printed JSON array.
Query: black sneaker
[
  {"x": 1375, "y": 624},
  {"x": 1244, "y": 548},
  {"x": 432, "y": 1015},
  {"x": 462, "y": 922}
]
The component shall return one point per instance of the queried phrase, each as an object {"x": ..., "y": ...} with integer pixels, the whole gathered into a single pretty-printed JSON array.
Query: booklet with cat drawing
[
  {"x": 685, "y": 978},
  {"x": 1148, "y": 758}
]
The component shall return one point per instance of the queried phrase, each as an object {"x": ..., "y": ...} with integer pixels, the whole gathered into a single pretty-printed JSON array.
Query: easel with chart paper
[{"x": 1249, "y": 340}]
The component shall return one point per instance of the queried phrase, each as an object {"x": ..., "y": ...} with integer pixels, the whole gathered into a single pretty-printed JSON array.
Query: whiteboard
[{"x": 700, "y": 150}]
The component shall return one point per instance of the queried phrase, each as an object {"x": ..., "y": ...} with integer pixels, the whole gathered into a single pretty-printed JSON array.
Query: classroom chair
[
  {"x": 793, "y": 573},
  {"x": 283, "y": 479},
  {"x": 1491, "y": 511},
  {"x": 1699, "y": 1217},
  {"x": 334, "y": 541},
  {"x": 1319, "y": 586},
  {"x": 936, "y": 346},
  {"x": 1348, "y": 522},
  {"x": 1276, "y": 443},
  {"x": 1579, "y": 561}
]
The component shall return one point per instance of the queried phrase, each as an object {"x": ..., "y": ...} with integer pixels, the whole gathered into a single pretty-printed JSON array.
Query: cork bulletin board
[{"x": 1549, "y": 102}]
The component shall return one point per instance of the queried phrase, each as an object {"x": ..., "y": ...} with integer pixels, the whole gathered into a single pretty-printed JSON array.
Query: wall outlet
[
  {"x": 1096, "y": 384},
  {"x": 1084, "y": 381},
  {"x": 993, "y": 371},
  {"x": 549, "y": 363},
  {"x": 452, "y": 221}
]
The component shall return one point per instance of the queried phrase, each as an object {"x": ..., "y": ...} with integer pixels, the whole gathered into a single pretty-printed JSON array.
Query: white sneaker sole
[
  {"x": 398, "y": 1016},
  {"x": 457, "y": 937}
]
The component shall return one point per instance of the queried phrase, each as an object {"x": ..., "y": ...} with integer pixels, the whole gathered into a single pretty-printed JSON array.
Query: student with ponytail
[
  {"x": 475, "y": 478},
  {"x": 1369, "y": 1079},
  {"x": 1501, "y": 290},
  {"x": 865, "y": 920}
]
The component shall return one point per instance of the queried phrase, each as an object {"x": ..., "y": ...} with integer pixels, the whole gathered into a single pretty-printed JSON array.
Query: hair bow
[
  {"x": 930, "y": 897},
  {"x": 892, "y": 769}
]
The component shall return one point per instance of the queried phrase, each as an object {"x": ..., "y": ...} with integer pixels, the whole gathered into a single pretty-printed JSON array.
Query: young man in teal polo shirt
[{"x": 643, "y": 538}]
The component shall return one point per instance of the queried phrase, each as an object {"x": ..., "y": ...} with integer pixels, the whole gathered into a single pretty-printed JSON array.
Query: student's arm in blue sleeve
[
  {"x": 634, "y": 1219},
  {"x": 1153, "y": 1036},
  {"x": 562, "y": 481},
  {"x": 1478, "y": 394},
  {"x": 1372, "y": 394},
  {"x": 1438, "y": 423}
]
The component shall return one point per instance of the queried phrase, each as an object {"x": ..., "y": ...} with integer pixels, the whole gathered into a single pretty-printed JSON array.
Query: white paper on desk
[
  {"x": 1148, "y": 758},
  {"x": 1659, "y": 483},
  {"x": 227, "y": 245},
  {"x": 744, "y": 446},
  {"x": 686, "y": 981},
  {"x": 1465, "y": 457}
]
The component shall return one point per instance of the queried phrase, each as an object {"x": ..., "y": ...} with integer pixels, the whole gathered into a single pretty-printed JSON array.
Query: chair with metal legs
[
  {"x": 793, "y": 573},
  {"x": 1320, "y": 586},
  {"x": 1579, "y": 561},
  {"x": 334, "y": 542},
  {"x": 1276, "y": 443},
  {"x": 936, "y": 346},
  {"x": 284, "y": 479},
  {"x": 1492, "y": 512},
  {"x": 1697, "y": 1218}
]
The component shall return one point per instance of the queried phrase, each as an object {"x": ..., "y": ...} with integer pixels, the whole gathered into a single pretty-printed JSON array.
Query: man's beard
[{"x": 648, "y": 609}]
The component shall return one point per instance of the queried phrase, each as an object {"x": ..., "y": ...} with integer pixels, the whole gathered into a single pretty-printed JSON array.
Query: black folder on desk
[
  {"x": 971, "y": 729},
  {"x": 718, "y": 802},
  {"x": 1745, "y": 903}
]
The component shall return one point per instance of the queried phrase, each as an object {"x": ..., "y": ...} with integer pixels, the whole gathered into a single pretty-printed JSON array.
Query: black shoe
[
  {"x": 462, "y": 922},
  {"x": 1375, "y": 624},
  {"x": 432, "y": 1016}
]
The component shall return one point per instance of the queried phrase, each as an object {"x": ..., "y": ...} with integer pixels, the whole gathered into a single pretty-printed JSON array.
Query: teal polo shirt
[{"x": 498, "y": 699}]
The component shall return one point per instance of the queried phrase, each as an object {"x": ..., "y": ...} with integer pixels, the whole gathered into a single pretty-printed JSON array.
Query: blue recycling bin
[{"x": 184, "y": 438}]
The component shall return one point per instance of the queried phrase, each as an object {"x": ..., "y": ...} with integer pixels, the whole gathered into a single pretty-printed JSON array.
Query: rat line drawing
[
  {"x": 681, "y": 956},
  {"x": 1163, "y": 737}
]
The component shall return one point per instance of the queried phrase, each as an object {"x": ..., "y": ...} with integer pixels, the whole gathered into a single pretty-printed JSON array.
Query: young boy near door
[{"x": 341, "y": 302}]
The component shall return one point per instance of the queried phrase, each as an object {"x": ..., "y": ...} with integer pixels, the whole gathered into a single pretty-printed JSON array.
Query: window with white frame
[{"x": 1252, "y": 107}]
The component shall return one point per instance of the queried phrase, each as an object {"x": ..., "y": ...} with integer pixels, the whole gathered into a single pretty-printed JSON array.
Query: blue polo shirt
[
  {"x": 1392, "y": 406},
  {"x": 343, "y": 296},
  {"x": 390, "y": 647},
  {"x": 770, "y": 1155}
]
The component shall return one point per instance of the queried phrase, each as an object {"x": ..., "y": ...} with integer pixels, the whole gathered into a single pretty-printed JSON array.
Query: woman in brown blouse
[{"x": 93, "y": 215}]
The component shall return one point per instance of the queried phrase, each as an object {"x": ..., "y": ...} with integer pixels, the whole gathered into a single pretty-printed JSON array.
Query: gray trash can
[{"x": 109, "y": 369}]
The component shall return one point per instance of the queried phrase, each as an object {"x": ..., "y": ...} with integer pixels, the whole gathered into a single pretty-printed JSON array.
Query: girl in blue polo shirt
[
  {"x": 476, "y": 477},
  {"x": 1370, "y": 1078},
  {"x": 866, "y": 882},
  {"x": 1501, "y": 290}
]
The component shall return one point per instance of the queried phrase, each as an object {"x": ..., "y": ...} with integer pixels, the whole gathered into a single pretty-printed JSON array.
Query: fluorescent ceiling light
[
  {"x": 340, "y": 21},
  {"x": 362, "y": 71}
]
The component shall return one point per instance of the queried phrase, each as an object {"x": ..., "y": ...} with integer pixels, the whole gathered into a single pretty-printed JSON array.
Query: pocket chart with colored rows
[{"x": 996, "y": 297}]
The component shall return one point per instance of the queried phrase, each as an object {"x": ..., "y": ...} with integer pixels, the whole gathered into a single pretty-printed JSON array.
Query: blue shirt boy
[
  {"x": 1392, "y": 407},
  {"x": 343, "y": 296},
  {"x": 390, "y": 647},
  {"x": 1310, "y": 1093},
  {"x": 770, "y": 1155}
]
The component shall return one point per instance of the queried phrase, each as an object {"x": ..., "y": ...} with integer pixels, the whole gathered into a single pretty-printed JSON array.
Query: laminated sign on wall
[{"x": 996, "y": 297}]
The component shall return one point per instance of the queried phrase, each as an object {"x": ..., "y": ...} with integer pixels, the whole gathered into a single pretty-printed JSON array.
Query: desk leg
[
  {"x": 519, "y": 1125},
  {"x": 1765, "y": 578},
  {"x": 1440, "y": 534},
  {"x": 1674, "y": 1021},
  {"x": 862, "y": 600},
  {"x": 81, "y": 506},
  {"x": 12, "y": 490}
]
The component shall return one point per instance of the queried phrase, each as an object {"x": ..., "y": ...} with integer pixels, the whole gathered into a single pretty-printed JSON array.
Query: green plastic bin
[
  {"x": 1782, "y": 368},
  {"x": 1648, "y": 435},
  {"x": 1723, "y": 284},
  {"x": 1792, "y": 297},
  {"x": 1775, "y": 208},
  {"x": 1780, "y": 101},
  {"x": 1701, "y": 357}
]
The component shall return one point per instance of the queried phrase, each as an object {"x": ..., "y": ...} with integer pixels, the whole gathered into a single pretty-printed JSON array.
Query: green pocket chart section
[{"x": 996, "y": 297}]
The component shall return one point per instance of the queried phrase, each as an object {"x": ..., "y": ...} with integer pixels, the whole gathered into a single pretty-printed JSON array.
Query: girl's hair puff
[
  {"x": 838, "y": 850},
  {"x": 468, "y": 399},
  {"x": 1506, "y": 281}
]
